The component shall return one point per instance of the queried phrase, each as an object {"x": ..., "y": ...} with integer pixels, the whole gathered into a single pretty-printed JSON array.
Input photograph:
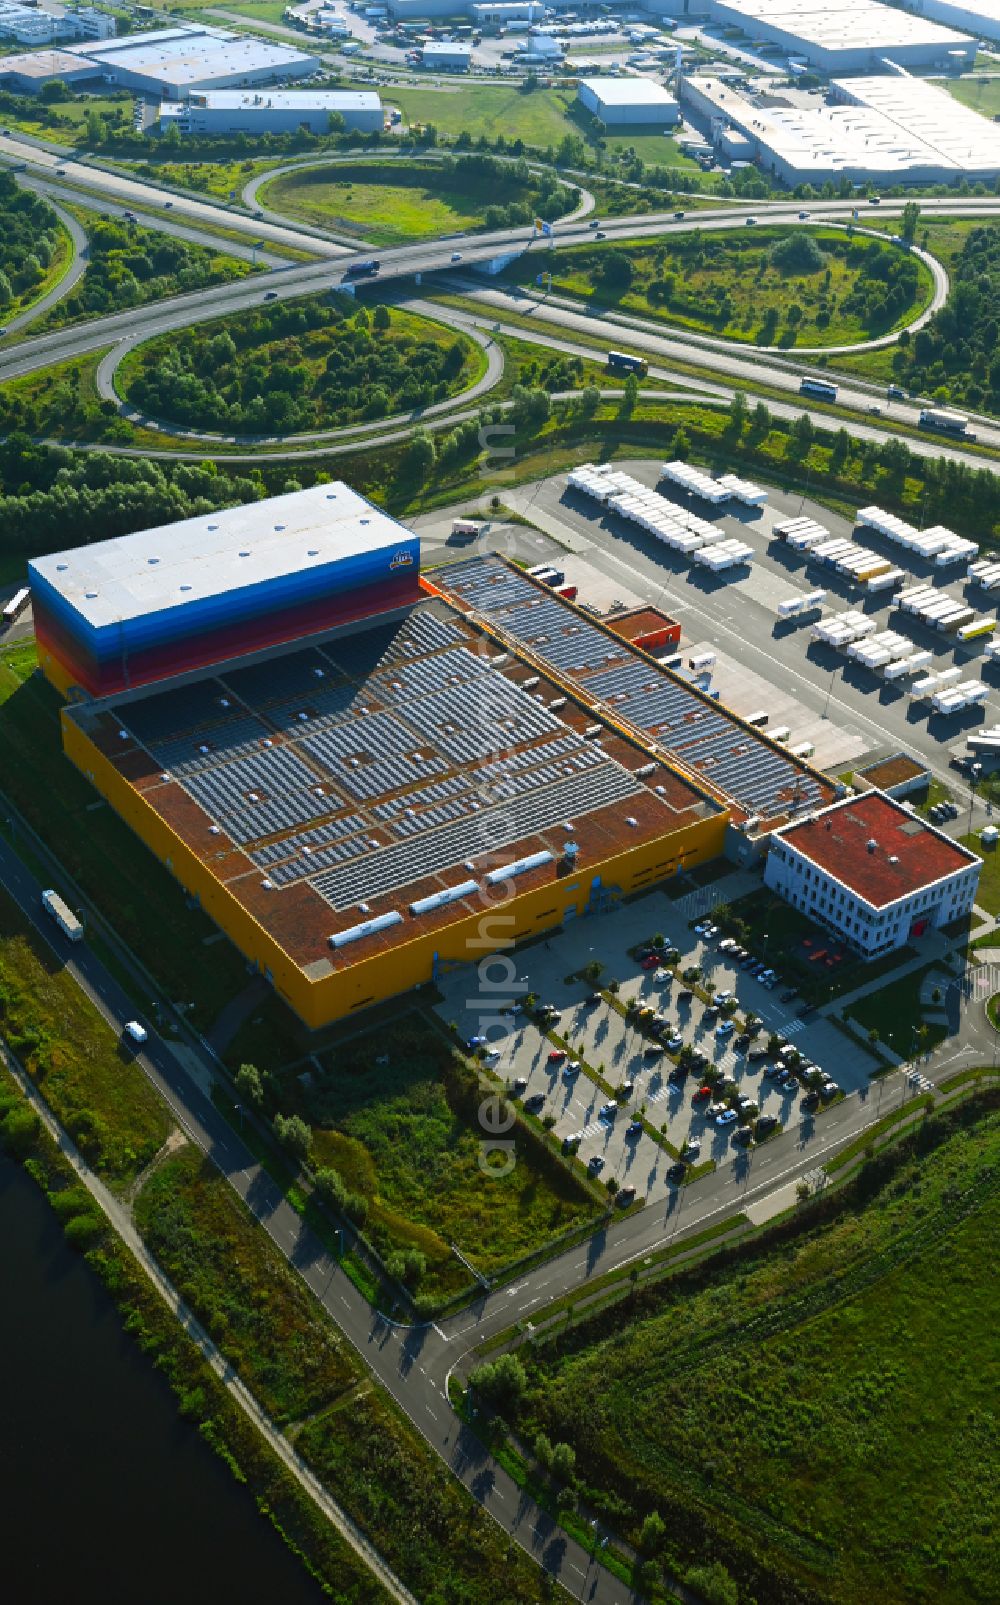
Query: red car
[
  {"x": 650, "y": 963},
  {"x": 703, "y": 1092},
  {"x": 556, "y": 1056}
]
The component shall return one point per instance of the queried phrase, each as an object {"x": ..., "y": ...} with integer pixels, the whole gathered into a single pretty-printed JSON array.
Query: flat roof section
[
  {"x": 842, "y": 25},
  {"x": 175, "y": 565},
  {"x": 286, "y": 99},
  {"x": 907, "y": 856},
  {"x": 628, "y": 91},
  {"x": 758, "y": 779},
  {"x": 334, "y": 787},
  {"x": 894, "y": 771}
]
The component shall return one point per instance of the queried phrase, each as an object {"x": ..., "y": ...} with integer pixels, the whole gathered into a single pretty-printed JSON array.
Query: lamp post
[{"x": 974, "y": 774}]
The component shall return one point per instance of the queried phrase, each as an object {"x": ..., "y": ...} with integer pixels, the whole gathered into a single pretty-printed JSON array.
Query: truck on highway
[
  {"x": 362, "y": 270},
  {"x": 63, "y": 915},
  {"x": 621, "y": 362},
  {"x": 16, "y": 606},
  {"x": 950, "y": 423}
]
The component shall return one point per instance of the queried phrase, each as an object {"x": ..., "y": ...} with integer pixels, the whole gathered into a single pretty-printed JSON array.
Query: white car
[{"x": 137, "y": 1032}]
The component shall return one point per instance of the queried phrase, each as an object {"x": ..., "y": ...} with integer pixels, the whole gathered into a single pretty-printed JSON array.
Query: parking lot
[{"x": 623, "y": 1055}]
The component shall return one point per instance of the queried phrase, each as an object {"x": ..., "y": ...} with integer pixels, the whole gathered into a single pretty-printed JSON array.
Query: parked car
[
  {"x": 714, "y": 1110},
  {"x": 650, "y": 963},
  {"x": 675, "y": 1044},
  {"x": 634, "y": 1129},
  {"x": 676, "y": 1173},
  {"x": 595, "y": 1163},
  {"x": 571, "y": 1070},
  {"x": 685, "y": 995},
  {"x": 556, "y": 1056},
  {"x": 829, "y": 1090},
  {"x": 810, "y": 1101},
  {"x": 692, "y": 1148},
  {"x": 592, "y": 998},
  {"x": 609, "y": 1111},
  {"x": 743, "y": 1137},
  {"x": 519, "y": 1084},
  {"x": 702, "y": 1093},
  {"x": 626, "y": 1089},
  {"x": 727, "y": 1118},
  {"x": 756, "y": 1055},
  {"x": 789, "y": 995},
  {"x": 626, "y": 1196},
  {"x": 725, "y": 1028},
  {"x": 653, "y": 1050},
  {"x": 766, "y": 1123},
  {"x": 534, "y": 1103}
]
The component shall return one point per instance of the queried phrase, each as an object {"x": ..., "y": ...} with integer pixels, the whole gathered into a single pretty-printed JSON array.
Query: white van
[{"x": 137, "y": 1032}]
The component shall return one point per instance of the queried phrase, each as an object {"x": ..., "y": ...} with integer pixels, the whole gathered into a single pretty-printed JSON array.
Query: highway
[{"x": 736, "y": 364}]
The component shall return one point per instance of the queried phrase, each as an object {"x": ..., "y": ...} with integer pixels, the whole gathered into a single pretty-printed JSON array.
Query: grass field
[
  {"x": 292, "y": 1357},
  {"x": 66, "y": 123},
  {"x": 405, "y": 1136},
  {"x": 137, "y": 896},
  {"x": 728, "y": 285},
  {"x": 222, "y": 179},
  {"x": 982, "y": 94},
  {"x": 541, "y": 118},
  {"x": 90, "y": 1082},
  {"x": 821, "y": 1417},
  {"x": 387, "y": 203},
  {"x": 988, "y": 895}
]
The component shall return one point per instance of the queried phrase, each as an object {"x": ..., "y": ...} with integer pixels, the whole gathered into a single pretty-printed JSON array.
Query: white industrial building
[
  {"x": 981, "y": 17},
  {"x": 628, "y": 102},
  {"x": 872, "y": 873},
  {"x": 167, "y": 64},
  {"x": 886, "y": 130},
  {"x": 30, "y": 25},
  {"x": 446, "y": 55},
  {"x": 272, "y": 111},
  {"x": 838, "y": 36},
  {"x": 498, "y": 15}
]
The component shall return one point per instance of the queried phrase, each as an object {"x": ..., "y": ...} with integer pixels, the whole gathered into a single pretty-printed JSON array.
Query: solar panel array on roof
[
  {"x": 701, "y": 736},
  {"x": 473, "y": 758}
]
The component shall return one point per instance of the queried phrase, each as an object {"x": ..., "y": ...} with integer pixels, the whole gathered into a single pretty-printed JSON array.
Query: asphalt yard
[{"x": 614, "y": 1053}]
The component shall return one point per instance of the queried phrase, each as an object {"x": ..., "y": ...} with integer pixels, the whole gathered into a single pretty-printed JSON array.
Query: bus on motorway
[
  {"x": 620, "y": 362},
  {"x": 16, "y": 606},
  {"x": 812, "y": 386}
]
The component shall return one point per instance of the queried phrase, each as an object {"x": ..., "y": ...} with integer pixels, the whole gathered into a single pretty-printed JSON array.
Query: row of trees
[
  {"x": 956, "y": 356},
  {"x": 29, "y": 239}
]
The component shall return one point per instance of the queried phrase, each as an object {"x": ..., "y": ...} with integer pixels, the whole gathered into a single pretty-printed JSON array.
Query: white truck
[{"x": 63, "y": 915}]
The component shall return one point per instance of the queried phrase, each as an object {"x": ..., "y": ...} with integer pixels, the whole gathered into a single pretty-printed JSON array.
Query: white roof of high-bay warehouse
[
  {"x": 889, "y": 129},
  {"x": 980, "y": 17},
  {"x": 838, "y": 35}
]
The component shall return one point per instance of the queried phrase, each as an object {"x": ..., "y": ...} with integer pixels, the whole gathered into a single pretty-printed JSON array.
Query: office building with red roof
[{"x": 871, "y": 871}]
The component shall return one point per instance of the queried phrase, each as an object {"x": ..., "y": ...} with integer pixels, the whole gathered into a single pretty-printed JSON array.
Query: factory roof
[
  {"x": 761, "y": 782},
  {"x": 46, "y": 64},
  {"x": 446, "y": 47},
  {"x": 176, "y": 564},
  {"x": 286, "y": 99},
  {"x": 889, "y": 128},
  {"x": 190, "y": 55},
  {"x": 841, "y": 25},
  {"x": 356, "y": 793},
  {"x": 876, "y": 848},
  {"x": 628, "y": 91}
]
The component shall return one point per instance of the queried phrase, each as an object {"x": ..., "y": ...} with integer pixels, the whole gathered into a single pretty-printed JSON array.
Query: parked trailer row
[
  {"x": 793, "y": 606},
  {"x": 970, "y": 694},
  {"x": 683, "y": 531},
  {"x": 688, "y": 478},
  {"x": 886, "y": 580},
  {"x": 902, "y": 667},
  {"x": 843, "y": 628},
  {"x": 935, "y": 608},
  {"x": 743, "y": 490},
  {"x": 938, "y": 545},
  {"x": 801, "y": 533},
  {"x": 984, "y": 574}
]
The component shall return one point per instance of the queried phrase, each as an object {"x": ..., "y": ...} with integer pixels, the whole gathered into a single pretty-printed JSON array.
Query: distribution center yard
[
  {"x": 773, "y": 286},
  {"x": 826, "y": 1411}
]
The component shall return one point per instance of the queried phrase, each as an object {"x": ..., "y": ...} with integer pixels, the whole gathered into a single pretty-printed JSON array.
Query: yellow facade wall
[{"x": 318, "y": 1001}]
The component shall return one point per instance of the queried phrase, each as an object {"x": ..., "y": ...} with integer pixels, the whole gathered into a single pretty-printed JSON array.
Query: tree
[
  {"x": 652, "y": 1534},
  {"x": 563, "y": 1461},
  {"x": 738, "y": 412},
  {"x": 543, "y": 1451},
  {"x": 797, "y": 253},
  {"x": 293, "y": 1134},
  {"x": 407, "y": 1267},
  {"x": 250, "y": 1085},
  {"x": 380, "y": 318},
  {"x": 330, "y": 1188},
  {"x": 501, "y": 1382},
  {"x": 52, "y": 92},
  {"x": 873, "y": 1037},
  {"x": 6, "y": 293},
  {"x": 614, "y": 271},
  {"x": 682, "y": 445},
  {"x": 418, "y": 459},
  {"x": 909, "y": 220},
  {"x": 590, "y": 400},
  {"x": 713, "y": 1583},
  {"x": 630, "y": 395}
]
